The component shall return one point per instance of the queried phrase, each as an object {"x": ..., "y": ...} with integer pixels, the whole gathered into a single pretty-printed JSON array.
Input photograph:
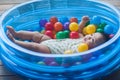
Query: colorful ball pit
[{"x": 102, "y": 60}]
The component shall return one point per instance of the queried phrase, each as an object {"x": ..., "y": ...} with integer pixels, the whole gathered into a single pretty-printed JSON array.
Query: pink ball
[
  {"x": 49, "y": 26},
  {"x": 111, "y": 35},
  {"x": 74, "y": 35},
  {"x": 49, "y": 33}
]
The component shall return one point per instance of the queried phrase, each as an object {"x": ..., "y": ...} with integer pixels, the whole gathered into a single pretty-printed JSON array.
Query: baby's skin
[{"x": 37, "y": 38}]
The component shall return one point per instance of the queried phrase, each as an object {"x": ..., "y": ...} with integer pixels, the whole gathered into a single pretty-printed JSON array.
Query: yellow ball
[
  {"x": 83, "y": 47},
  {"x": 73, "y": 26},
  {"x": 84, "y": 31},
  {"x": 90, "y": 29},
  {"x": 43, "y": 31},
  {"x": 68, "y": 52}
]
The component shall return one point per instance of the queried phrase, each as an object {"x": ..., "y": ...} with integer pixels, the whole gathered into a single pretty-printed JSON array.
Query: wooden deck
[{"x": 5, "y": 74}]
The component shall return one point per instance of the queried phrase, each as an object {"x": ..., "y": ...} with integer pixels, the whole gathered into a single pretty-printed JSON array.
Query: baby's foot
[
  {"x": 11, "y": 31},
  {"x": 10, "y": 36}
]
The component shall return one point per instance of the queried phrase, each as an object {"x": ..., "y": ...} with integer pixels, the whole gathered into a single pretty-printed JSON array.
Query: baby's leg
[
  {"x": 28, "y": 35},
  {"x": 31, "y": 45}
]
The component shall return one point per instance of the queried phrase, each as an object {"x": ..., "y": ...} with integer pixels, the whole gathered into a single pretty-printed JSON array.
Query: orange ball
[
  {"x": 73, "y": 19},
  {"x": 58, "y": 26},
  {"x": 53, "y": 20}
]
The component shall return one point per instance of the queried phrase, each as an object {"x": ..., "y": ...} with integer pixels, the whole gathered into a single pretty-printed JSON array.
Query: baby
[{"x": 44, "y": 44}]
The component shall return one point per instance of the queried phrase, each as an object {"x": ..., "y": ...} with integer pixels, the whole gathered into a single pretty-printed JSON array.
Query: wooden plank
[
  {"x": 1, "y": 63},
  {"x": 12, "y": 1},
  {"x": 115, "y": 3},
  {"x": 10, "y": 78},
  {"x": 5, "y": 7},
  {"x": 5, "y": 72}
]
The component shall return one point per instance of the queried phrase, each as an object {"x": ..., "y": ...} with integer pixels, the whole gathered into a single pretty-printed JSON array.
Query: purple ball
[
  {"x": 53, "y": 64},
  {"x": 66, "y": 26},
  {"x": 42, "y": 22},
  {"x": 47, "y": 61},
  {"x": 65, "y": 65}
]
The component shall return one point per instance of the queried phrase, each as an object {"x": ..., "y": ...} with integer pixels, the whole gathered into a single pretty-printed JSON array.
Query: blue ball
[
  {"x": 108, "y": 29},
  {"x": 42, "y": 22},
  {"x": 96, "y": 20},
  {"x": 64, "y": 19}
]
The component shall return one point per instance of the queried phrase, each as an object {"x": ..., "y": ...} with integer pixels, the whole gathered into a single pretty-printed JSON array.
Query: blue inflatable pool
[{"x": 92, "y": 64}]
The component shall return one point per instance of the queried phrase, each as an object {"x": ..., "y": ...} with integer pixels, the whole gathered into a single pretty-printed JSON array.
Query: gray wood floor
[{"x": 7, "y": 4}]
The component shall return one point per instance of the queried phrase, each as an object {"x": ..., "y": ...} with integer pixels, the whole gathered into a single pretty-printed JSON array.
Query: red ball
[
  {"x": 73, "y": 19},
  {"x": 49, "y": 26},
  {"x": 58, "y": 26},
  {"x": 74, "y": 35},
  {"x": 49, "y": 33},
  {"x": 53, "y": 20}
]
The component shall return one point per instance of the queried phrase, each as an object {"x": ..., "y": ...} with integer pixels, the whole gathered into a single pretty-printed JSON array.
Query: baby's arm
[{"x": 83, "y": 22}]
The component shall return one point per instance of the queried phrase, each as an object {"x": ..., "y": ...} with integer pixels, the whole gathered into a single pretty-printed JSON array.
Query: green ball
[
  {"x": 58, "y": 60},
  {"x": 41, "y": 63},
  {"x": 60, "y": 35},
  {"x": 87, "y": 23},
  {"x": 66, "y": 33},
  {"x": 102, "y": 25},
  {"x": 99, "y": 30}
]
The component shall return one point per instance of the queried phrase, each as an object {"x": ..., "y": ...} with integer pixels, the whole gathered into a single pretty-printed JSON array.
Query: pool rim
[{"x": 17, "y": 47}]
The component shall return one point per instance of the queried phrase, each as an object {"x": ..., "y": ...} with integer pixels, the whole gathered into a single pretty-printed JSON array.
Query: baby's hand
[{"x": 85, "y": 18}]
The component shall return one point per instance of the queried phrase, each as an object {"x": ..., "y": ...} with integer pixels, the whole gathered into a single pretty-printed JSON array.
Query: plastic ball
[
  {"x": 83, "y": 47},
  {"x": 49, "y": 26},
  {"x": 42, "y": 22},
  {"x": 47, "y": 61},
  {"x": 53, "y": 20},
  {"x": 108, "y": 29},
  {"x": 54, "y": 32},
  {"x": 93, "y": 58},
  {"x": 73, "y": 19},
  {"x": 64, "y": 19},
  {"x": 58, "y": 60},
  {"x": 90, "y": 29},
  {"x": 66, "y": 26},
  {"x": 74, "y": 35},
  {"x": 100, "y": 30},
  {"x": 86, "y": 57},
  {"x": 66, "y": 33},
  {"x": 68, "y": 52},
  {"x": 49, "y": 33},
  {"x": 73, "y": 26},
  {"x": 96, "y": 20},
  {"x": 43, "y": 31},
  {"x": 84, "y": 31},
  {"x": 78, "y": 63},
  {"x": 53, "y": 64},
  {"x": 102, "y": 25},
  {"x": 65, "y": 65},
  {"x": 41, "y": 63},
  {"x": 60, "y": 35},
  {"x": 111, "y": 35},
  {"x": 58, "y": 26},
  {"x": 87, "y": 23}
]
